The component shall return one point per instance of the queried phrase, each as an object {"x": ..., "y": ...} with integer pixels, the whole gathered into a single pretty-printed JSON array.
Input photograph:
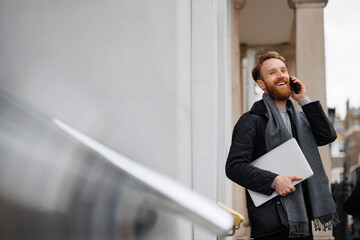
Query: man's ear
[{"x": 261, "y": 84}]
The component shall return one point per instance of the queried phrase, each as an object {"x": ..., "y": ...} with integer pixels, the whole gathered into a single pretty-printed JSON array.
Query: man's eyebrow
[{"x": 274, "y": 69}]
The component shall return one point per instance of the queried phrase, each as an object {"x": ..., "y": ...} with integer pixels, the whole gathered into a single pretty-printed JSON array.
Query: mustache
[{"x": 281, "y": 79}]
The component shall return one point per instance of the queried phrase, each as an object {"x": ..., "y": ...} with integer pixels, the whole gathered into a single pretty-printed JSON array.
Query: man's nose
[{"x": 282, "y": 74}]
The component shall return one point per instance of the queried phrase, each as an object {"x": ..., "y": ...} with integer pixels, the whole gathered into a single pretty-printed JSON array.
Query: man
[{"x": 270, "y": 122}]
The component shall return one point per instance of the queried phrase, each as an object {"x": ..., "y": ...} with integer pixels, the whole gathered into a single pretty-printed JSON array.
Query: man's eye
[{"x": 272, "y": 73}]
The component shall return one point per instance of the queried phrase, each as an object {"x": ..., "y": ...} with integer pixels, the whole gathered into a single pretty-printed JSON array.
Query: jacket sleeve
[
  {"x": 321, "y": 127},
  {"x": 241, "y": 154}
]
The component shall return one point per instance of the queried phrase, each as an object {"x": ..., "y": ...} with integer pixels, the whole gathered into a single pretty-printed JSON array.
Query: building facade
[{"x": 352, "y": 144}]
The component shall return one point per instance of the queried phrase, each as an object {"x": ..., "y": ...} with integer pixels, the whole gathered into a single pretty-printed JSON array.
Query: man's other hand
[{"x": 284, "y": 184}]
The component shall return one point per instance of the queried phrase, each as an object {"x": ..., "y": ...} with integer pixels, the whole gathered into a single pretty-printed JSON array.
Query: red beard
[{"x": 277, "y": 93}]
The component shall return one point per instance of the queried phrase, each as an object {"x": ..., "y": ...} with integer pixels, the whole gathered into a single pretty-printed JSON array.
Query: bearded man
[{"x": 271, "y": 122}]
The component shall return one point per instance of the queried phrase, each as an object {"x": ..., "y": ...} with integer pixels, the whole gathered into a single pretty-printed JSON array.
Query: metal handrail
[
  {"x": 171, "y": 194},
  {"x": 58, "y": 183},
  {"x": 238, "y": 218}
]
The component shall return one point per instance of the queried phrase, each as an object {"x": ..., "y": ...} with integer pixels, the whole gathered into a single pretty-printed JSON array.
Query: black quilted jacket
[{"x": 248, "y": 143}]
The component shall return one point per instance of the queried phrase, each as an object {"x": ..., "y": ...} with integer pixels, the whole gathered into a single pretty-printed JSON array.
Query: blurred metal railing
[
  {"x": 58, "y": 183},
  {"x": 238, "y": 218}
]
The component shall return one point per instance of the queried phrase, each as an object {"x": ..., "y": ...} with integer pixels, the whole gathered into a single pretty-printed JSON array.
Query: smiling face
[{"x": 275, "y": 79}]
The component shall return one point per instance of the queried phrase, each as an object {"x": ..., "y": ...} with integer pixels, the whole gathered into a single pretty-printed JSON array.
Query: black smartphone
[{"x": 294, "y": 86}]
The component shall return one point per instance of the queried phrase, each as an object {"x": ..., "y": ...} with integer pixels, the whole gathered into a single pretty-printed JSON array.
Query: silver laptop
[{"x": 286, "y": 160}]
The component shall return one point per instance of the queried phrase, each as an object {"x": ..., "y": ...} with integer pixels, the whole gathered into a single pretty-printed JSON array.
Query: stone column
[
  {"x": 310, "y": 49},
  {"x": 310, "y": 63},
  {"x": 238, "y": 194},
  {"x": 236, "y": 6}
]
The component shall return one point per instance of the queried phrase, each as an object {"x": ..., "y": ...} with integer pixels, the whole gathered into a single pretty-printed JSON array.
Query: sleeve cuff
[
  {"x": 305, "y": 100},
  {"x": 273, "y": 184}
]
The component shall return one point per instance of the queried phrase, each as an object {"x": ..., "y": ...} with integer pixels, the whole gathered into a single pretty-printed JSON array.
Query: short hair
[{"x": 260, "y": 59}]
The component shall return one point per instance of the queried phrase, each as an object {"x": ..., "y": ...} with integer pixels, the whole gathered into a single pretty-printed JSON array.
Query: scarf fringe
[
  {"x": 298, "y": 229},
  {"x": 326, "y": 222}
]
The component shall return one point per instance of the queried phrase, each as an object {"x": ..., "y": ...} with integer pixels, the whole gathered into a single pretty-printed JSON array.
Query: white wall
[
  {"x": 148, "y": 78},
  {"x": 117, "y": 70}
]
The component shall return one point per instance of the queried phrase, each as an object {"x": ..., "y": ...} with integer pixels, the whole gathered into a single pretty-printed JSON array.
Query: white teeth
[{"x": 280, "y": 84}]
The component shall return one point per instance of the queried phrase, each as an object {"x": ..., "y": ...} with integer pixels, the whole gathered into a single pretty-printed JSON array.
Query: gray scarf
[{"x": 322, "y": 207}]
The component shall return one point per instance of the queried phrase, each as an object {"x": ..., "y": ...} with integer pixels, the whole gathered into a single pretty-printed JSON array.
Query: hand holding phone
[{"x": 294, "y": 86}]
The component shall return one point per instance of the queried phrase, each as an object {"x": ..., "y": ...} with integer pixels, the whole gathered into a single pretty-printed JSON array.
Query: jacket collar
[{"x": 259, "y": 108}]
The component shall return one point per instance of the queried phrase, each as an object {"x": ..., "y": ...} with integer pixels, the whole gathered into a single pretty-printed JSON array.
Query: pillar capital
[
  {"x": 239, "y": 4},
  {"x": 307, "y": 3}
]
